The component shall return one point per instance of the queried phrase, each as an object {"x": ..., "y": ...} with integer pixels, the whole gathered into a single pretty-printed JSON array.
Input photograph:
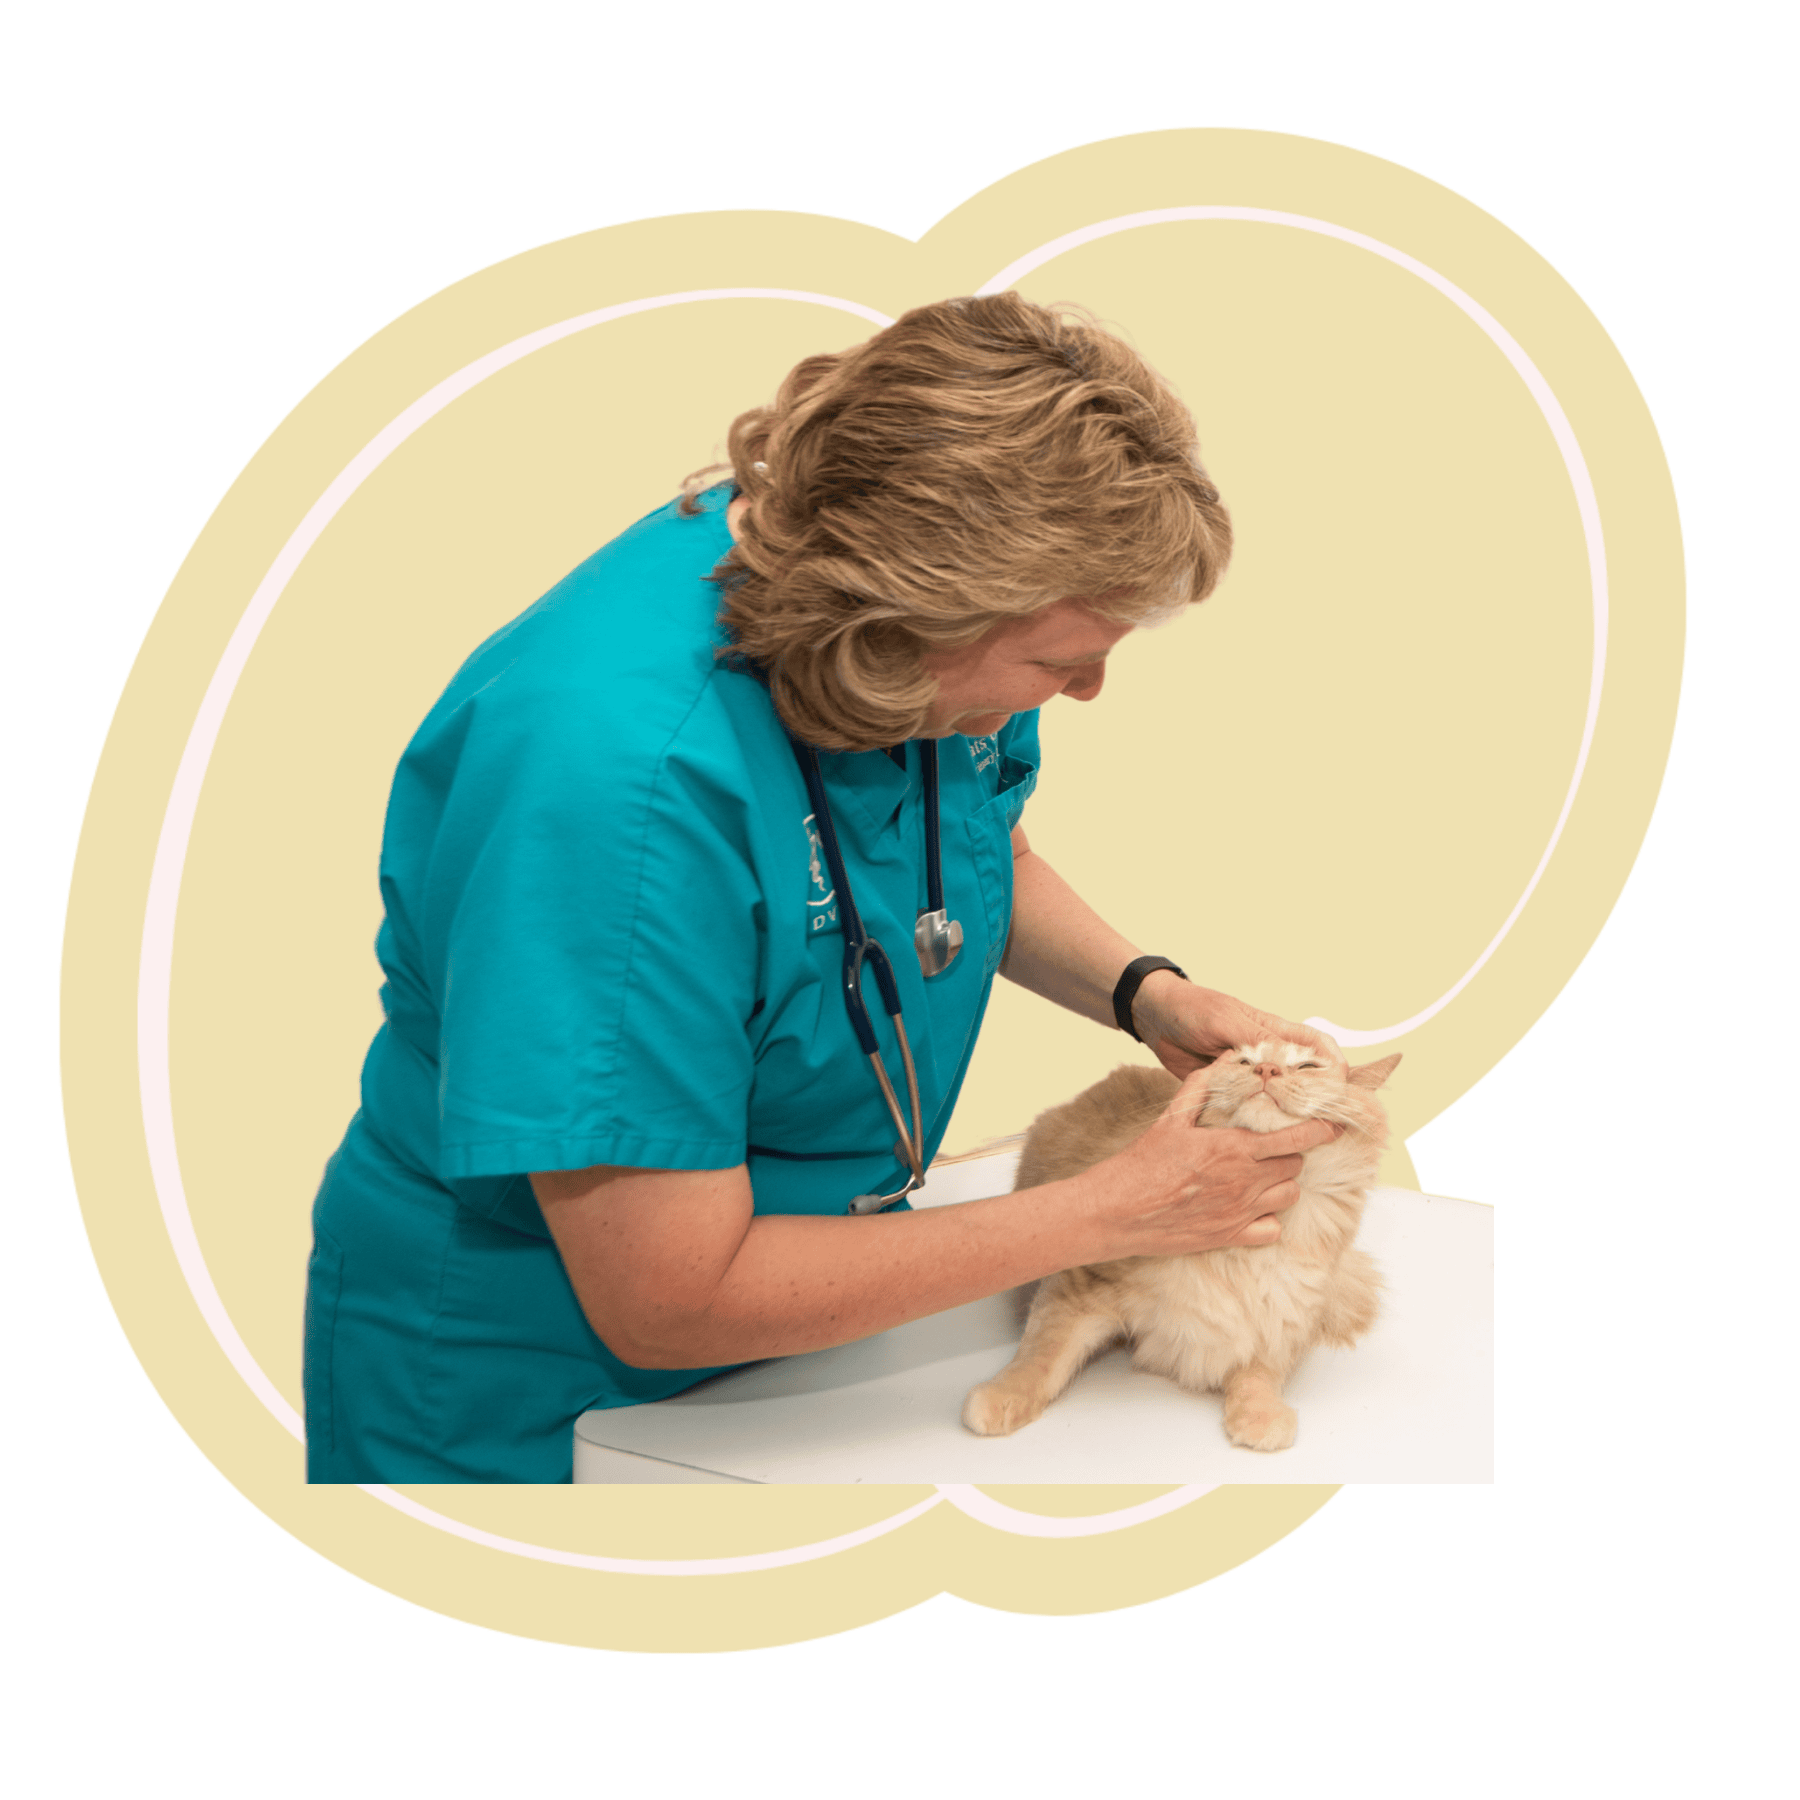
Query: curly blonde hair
[{"x": 975, "y": 461}]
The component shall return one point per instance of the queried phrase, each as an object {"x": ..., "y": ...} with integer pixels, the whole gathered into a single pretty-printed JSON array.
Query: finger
[
  {"x": 1294, "y": 1140},
  {"x": 1271, "y": 1169},
  {"x": 1278, "y": 1197},
  {"x": 1259, "y": 1231},
  {"x": 1307, "y": 1034}
]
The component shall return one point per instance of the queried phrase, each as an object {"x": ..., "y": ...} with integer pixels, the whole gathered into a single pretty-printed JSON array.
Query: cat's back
[{"x": 1096, "y": 1124}]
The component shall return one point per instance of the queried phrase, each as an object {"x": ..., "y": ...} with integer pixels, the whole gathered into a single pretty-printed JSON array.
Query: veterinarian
[{"x": 613, "y": 1126}]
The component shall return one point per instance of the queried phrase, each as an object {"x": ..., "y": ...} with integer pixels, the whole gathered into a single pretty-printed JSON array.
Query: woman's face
[
  {"x": 1016, "y": 666},
  {"x": 1020, "y": 664}
]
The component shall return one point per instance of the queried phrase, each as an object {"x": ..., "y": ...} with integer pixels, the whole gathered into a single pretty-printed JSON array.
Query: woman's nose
[{"x": 1087, "y": 685}]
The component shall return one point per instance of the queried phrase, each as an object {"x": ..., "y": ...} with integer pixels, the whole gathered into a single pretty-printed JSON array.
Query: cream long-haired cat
[{"x": 1236, "y": 1320}]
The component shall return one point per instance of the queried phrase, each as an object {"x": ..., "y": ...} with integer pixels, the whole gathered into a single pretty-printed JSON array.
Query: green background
[{"x": 209, "y": 207}]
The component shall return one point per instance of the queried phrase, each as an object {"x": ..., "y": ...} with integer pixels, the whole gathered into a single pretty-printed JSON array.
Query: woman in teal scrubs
[{"x": 612, "y": 1121}]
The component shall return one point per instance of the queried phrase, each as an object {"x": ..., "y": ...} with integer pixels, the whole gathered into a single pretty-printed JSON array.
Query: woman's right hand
[{"x": 1181, "y": 1188}]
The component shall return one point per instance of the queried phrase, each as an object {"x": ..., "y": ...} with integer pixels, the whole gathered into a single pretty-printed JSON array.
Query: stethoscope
[{"x": 936, "y": 938}]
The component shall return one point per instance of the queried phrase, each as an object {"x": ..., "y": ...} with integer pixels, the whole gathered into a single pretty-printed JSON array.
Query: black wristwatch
[{"x": 1131, "y": 981}]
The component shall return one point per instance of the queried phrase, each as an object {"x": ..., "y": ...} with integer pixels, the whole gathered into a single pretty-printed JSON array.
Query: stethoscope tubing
[
  {"x": 934, "y": 862},
  {"x": 861, "y": 949}
]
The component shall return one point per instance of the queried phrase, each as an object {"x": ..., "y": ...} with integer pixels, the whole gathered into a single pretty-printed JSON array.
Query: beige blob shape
[{"x": 1409, "y": 602}]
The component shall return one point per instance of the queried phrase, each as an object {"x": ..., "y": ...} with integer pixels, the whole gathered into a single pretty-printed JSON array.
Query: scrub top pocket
[{"x": 990, "y": 829}]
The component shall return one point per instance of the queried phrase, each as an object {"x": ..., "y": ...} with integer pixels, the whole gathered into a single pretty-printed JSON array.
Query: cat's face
[{"x": 1262, "y": 1087}]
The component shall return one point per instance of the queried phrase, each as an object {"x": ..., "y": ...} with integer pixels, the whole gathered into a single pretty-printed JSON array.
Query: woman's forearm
[
  {"x": 675, "y": 1272},
  {"x": 1060, "y": 947},
  {"x": 800, "y": 1283}
]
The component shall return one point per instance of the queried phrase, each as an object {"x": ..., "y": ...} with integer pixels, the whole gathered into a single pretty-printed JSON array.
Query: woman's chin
[{"x": 976, "y": 725}]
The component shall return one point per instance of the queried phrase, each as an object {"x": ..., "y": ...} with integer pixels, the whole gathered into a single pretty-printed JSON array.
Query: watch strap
[{"x": 1131, "y": 981}]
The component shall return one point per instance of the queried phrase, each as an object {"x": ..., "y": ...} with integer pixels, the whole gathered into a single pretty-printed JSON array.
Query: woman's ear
[{"x": 1373, "y": 1075}]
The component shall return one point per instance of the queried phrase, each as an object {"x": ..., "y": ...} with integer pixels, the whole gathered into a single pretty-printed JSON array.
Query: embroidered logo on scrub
[
  {"x": 985, "y": 751},
  {"x": 821, "y": 896}
]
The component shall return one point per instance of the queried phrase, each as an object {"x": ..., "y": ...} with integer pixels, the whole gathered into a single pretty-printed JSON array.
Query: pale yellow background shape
[
  {"x": 1329, "y": 785},
  {"x": 1324, "y": 788},
  {"x": 274, "y": 983}
]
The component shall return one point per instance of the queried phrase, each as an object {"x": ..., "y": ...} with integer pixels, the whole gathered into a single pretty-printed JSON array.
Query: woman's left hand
[{"x": 1187, "y": 1026}]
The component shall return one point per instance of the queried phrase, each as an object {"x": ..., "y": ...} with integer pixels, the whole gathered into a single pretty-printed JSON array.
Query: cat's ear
[{"x": 1373, "y": 1075}]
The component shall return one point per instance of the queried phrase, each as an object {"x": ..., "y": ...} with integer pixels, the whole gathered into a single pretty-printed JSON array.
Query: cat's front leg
[
  {"x": 1256, "y": 1416},
  {"x": 1060, "y": 1336},
  {"x": 1352, "y": 1301}
]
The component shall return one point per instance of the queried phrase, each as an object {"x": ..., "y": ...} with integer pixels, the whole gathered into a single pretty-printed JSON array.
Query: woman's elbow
[
  {"x": 655, "y": 1343},
  {"x": 645, "y": 1251}
]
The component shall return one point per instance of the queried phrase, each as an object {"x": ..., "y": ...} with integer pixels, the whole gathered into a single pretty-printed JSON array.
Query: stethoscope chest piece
[{"x": 937, "y": 938}]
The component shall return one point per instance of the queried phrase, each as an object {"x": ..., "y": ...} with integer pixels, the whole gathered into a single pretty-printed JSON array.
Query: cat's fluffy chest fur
[{"x": 1235, "y": 1320}]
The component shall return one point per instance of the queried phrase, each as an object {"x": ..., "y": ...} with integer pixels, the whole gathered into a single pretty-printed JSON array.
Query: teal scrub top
[{"x": 609, "y": 937}]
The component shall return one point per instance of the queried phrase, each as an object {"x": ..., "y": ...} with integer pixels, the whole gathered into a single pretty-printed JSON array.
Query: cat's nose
[{"x": 1267, "y": 1070}]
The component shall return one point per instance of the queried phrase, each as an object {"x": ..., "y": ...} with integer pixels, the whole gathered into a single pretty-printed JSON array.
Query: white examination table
[{"x": 1412, "y": 1402}]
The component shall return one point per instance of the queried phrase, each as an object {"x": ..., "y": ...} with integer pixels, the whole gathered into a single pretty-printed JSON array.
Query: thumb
[
  {"x": 1266, "y": 1230},
  {"x": 1296, "y": 1140}
]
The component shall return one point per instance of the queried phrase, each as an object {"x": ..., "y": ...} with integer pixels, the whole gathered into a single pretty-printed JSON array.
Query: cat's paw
[
  {"x": 995, "y": 1410},
  {"x": 1261, "y": 1425}
]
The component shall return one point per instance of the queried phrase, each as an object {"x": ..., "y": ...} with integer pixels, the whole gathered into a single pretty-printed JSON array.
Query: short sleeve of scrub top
[
  {"x": 589, "y": 914},
  {"x": 605, "y": 941}
]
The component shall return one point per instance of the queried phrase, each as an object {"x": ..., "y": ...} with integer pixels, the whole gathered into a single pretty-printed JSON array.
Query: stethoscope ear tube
[{"x": 934, "y": 862}]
